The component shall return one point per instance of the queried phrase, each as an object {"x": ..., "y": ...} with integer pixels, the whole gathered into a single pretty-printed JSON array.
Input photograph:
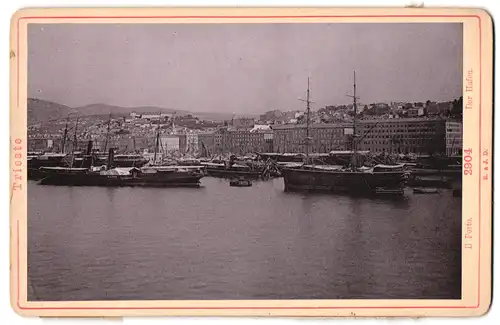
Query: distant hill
[
  {"x": 103, "y": 109},
  {"x": 42, "y": 110}
]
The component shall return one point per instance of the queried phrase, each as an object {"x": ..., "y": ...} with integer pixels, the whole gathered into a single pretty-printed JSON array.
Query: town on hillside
[{"x": 395, "y": 127}]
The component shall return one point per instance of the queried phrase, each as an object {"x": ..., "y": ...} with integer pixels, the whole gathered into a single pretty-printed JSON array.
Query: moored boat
[
  {"x": 425, "y": 190},
  {"x": 37, "y": 160},
  {"x": 352, "y": 178},
  {"x": 230, "y": 171},
  {"x": 375, "y": 180},
  {"x": 152, "y": 176},
  {"x": 130, "y": 176},
  {"x": 240, "y": 183}
]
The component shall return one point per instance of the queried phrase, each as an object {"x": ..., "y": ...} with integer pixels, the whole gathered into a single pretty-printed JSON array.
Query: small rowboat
[{"x": 240, "y": 183}]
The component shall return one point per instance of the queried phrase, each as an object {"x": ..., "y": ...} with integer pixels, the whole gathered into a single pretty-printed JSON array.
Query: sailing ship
[{"x": 352, "y": 179}]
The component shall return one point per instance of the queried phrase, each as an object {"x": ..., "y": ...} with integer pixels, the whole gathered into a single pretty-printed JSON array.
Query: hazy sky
[{"x": 242, "y": 67}]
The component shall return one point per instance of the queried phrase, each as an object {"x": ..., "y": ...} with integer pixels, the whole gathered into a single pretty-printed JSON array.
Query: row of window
[
  {"x": 400, "y": 150},
  {"x": 415, "y": 142},
  {"x": 399, "y": 125},
  {"x": 404, "y": 136}
]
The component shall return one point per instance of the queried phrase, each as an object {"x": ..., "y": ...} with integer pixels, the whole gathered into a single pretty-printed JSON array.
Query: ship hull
[
  {"x": 232, "y": 173},
  {"x": 173, "y": 179},
  {"x": 356, "y": 183},
  {"x": 129, "y": 163}
]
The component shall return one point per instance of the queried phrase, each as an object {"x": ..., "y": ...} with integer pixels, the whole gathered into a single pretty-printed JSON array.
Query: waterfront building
[
  {"x": 221, "y": 140},
  {"x": 250, "y": 141},
  {"x": 188, "y": 143},
  {"x": 243, "y": 140},
  {"x": 239, "y": 141},
  {"x": 169, "y": 143},
  {"x": 454, "y": 138},
  {"x": 324, "y": 137},
  {"x": 42, "y": 144},
  {"x": 404, "y": 135},
  {"x": 182, "y": 142},
  {"x": 192, "y": 143}
]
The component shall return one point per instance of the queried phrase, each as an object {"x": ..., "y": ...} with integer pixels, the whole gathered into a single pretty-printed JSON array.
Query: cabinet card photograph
[{"x": 251, "y": 162}]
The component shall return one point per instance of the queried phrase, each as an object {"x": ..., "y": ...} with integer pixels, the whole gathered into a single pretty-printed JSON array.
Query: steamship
[
  {"x": 155, "y": 176},
  {"x": 352, "y": 179},
  {"x": 80, "y": 159},
  {"x": 111, "y": 175}
]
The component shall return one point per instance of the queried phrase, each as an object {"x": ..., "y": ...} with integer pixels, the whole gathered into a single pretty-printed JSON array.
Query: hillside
[
  {"x": 42, "y": 110},
  {"x": 102, "y": 109}
]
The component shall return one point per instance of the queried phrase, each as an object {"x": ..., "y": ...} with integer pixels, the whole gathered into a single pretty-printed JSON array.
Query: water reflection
[{"x": 219, "y": 242}]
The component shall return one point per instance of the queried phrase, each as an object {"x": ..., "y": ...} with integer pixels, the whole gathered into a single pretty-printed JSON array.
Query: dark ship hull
[
  {"x": 34, "y": 164},
  {"x": 350, "y": 182},
  {"x": 126, "y": 163},
  {"x": 78, "y": 177},
  {"x": 229, "y": 173}
]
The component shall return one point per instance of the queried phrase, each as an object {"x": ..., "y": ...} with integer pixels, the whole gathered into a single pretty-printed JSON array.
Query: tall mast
[
  {"x": 75, "y": 143},
  {"x": 157, "y": 141},
  {"x": 308, "y": 112},
  {"x": 63, "y": 147},
  {"x": 107, "y": 133},
  {"x": 307, "y": 121},
  {"x": 173, "y": 123},
  {"x": 355, "y": 113},
  {"x": 354, "y": 143}
]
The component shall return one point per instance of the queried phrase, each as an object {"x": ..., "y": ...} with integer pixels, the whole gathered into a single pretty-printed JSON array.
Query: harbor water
[{"x": 222, "y": 242}]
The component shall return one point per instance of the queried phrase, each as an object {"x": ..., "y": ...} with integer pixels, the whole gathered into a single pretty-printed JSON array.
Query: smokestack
[
  {"x": 110, "y": 158},
  {"x": 89, "y": 147}
]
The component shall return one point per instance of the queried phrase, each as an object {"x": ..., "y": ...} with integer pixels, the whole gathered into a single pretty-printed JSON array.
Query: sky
[{"x": 243, "y": 68}]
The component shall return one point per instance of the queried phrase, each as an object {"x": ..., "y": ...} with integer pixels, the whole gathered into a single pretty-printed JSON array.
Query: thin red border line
[
  {"x": 238, "y": 17},
  {"x": 275, "y": 308},
  {"x": 479, "y": 174}
]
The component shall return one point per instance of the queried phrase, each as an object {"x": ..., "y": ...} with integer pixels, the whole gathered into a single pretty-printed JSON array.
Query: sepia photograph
[{"x": 244, "y": 161}]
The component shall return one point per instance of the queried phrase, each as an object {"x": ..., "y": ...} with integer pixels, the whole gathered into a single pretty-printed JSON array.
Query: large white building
[
  {"x": 192, "y": 143},
  {"x": 169, "y": 143},
  {"x": 454, "y": 138}
]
